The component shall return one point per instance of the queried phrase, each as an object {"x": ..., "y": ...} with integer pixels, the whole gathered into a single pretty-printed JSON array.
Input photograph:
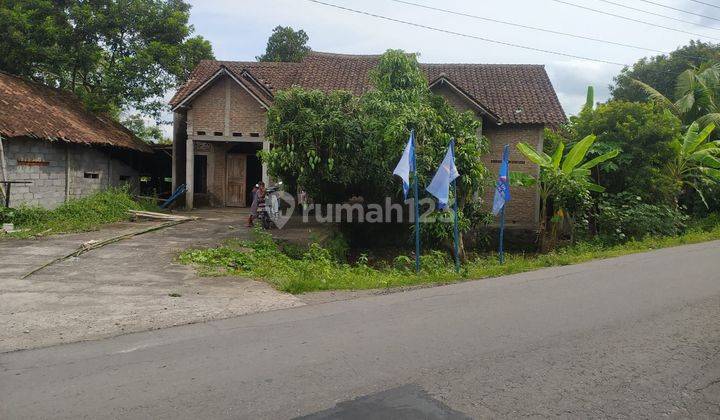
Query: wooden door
[{"x": 236, "y": 179}]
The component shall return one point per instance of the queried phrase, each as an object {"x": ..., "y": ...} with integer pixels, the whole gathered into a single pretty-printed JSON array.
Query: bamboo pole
[{"x": 89, "y": 246}]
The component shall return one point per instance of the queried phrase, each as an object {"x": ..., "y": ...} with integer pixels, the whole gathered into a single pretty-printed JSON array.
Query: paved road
[{"x": 637, "y": 336}]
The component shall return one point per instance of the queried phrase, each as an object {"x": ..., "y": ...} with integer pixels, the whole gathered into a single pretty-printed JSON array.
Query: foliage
[
  {"x": 662, "y": 71},
  {"x": 565, "y": 179},
  {"x": 336, "y": 145},
  {"x": 697, "y": 162},
  {"x": 114, "y": 55},
  {"x": 317, "y": 270},
  {"x": 149, "y": 133},
  {"x": 286, "y": 44},
  {"x": 644, "y": 133},
  {"x": 87, "y": 213},
  {"x": 625, "y": 216},
  {"x": 697, "y": 92}
]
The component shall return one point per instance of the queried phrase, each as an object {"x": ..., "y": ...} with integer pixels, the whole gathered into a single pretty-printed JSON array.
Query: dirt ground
[{"x": 127, "y": 286}]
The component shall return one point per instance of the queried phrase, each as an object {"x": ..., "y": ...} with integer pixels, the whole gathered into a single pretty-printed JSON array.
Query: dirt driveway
[{"x": 125, "y": 286}]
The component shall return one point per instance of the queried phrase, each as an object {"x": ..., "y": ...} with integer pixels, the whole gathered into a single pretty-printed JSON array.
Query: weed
[
  {"x": 318, "y": 269},
  {"x": 77, "y": 215}
]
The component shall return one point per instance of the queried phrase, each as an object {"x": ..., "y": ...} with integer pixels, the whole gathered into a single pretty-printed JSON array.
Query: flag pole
[
  {"x": 456, "y": 234},
  {"x": 501, "y": 251},
  {"x": 417, "y": 206}
]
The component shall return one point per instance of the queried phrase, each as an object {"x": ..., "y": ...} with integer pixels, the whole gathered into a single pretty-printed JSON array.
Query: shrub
[
  {"x": 625, "y": 216},
  {"x": 87, "y": 213}
]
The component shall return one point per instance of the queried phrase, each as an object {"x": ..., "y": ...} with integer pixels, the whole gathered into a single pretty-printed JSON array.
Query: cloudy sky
[{"x": 238, "y": 30}]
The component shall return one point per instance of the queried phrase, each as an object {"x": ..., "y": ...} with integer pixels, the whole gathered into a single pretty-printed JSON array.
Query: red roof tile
[
  {"x": 516, "y": 93},
  {"x": 31, "y": 109}
]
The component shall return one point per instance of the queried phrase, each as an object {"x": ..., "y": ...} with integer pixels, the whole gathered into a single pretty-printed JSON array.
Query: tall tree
[
  {"x": 336, "y": 145},
  {"x": 286, "y": 44},
  {"x": 643, "y": 131},
  {"x": 661, "y": 71},
  {"x": 114, "y": 54}
]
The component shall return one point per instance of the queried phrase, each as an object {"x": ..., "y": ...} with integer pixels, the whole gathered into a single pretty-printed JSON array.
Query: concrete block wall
[{"x": 44, "y": 163}]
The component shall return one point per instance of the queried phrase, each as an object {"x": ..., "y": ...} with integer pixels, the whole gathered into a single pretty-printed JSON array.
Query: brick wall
[
  {"x": 44, "y": 163},
  {"x": 522, "y": 211},
  {"x": 209, "y": 112},
  {"x": 246, "y": 114}
]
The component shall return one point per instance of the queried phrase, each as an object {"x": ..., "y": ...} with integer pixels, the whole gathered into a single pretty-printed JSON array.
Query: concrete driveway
[{"x": 125, "y": 286}]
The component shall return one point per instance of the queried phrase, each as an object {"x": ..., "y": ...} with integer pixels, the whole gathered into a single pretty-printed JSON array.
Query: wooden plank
[{"x": 236, "y": 168}]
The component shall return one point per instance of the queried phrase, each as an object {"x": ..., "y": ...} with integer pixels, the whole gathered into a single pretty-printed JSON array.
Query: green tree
[
  {"x": 149, "y": 133},
  {"x": 286, "y": 44},
  {"x": 697, "y": 163},
  {"x": 114, "y": 54},
  {"x": 643, "y": 132},
  {"x": 661, "y": 71},
  {"x": 337, "y": 145},
  {"x": 565, "y": 181}
]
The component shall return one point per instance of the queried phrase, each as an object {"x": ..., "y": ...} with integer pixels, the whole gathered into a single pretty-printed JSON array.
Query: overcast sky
[{"x": 238, "y": 30}]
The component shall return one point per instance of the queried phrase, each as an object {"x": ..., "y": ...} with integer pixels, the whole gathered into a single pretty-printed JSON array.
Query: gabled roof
[
  {"x": 30, "y": 109},
  {"x": 511, "y": 93}
]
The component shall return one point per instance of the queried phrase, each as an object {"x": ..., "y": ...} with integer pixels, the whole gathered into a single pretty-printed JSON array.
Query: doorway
[{"x": 236, "y": 180}]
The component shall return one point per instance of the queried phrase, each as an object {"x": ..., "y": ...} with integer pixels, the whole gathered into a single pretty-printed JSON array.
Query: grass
[
  {"x": 77, "y": 215},
  {"x": 316, "y": 269}
]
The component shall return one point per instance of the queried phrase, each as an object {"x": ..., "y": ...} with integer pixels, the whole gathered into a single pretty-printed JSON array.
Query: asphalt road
[{"x": 636, "y": 336}]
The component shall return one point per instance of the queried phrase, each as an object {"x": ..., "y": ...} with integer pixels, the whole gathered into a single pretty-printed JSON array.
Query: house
[
  {"x": 219, "y": 118},
  {"x": 64, "y": 151}
]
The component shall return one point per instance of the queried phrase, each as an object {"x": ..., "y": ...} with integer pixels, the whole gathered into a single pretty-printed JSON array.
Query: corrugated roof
[
  {"x": 516, "y": 93},
  {"x": 31, "y": 109}
]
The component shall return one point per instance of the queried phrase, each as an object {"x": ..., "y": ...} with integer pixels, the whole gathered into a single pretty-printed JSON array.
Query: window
[
  {"x": 201, "y": 133},
  {"x": 125, "y": 178},
  {"x": 218, "y": 133},
  {"x": 91, "y": 175},
  {"x": 200, "y": 181},
  {"x": 237, "y": 134},
  {"x": 254, "y": 134}
]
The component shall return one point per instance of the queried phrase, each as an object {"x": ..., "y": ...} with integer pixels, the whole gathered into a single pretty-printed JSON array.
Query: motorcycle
[{"x": 269, "y": 209}]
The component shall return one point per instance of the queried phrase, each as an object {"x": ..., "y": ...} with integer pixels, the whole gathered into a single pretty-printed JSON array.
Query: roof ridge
[
  {"x": 484, "y": 64},
  {"x": 332, "y": 54}
]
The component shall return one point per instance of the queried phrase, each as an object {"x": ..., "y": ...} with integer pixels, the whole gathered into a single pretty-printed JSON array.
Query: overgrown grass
[
  {"x": 317, "y": 269},
  {"x": 76, "y": 215}
]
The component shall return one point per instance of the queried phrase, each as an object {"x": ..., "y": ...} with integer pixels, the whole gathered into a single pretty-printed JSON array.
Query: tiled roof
[
  {"x": 31, "y": 109},
  {"x": 516, "y": 93}
]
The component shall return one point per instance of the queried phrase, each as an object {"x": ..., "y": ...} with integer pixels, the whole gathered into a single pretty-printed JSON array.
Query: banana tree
[
  {"x": 697, "y": 161},
  {"x": 697, "y": 94},
  {"x": 562, "y": 170}
]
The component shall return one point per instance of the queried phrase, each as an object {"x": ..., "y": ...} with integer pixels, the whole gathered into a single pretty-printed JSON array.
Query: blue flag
[
  {"x": 446, "y": 173},
  {"x": 406, "y": 164},
  {"x": 502, "y": 189}
]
